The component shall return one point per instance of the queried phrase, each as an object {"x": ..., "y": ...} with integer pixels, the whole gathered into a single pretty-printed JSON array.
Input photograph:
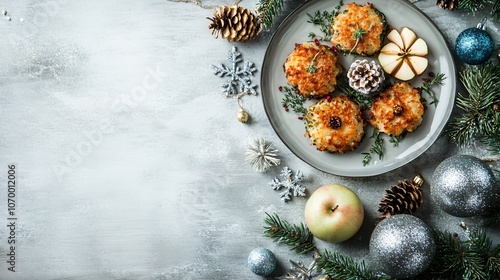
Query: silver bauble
[
  {"x": 462, "y": 186},
  {"x": 261, "y": 261},
  {"x": 402, "y": 246}
]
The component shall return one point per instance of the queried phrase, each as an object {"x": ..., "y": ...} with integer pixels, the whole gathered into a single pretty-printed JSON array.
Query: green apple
[{"x": 334, "y": 213}]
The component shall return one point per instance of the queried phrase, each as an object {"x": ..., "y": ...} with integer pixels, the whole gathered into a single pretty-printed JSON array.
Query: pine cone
[
  {"x": 236, "y": 24},
  {"x": 403, "y": 198},
  {"x": 448, "y": 4},
  {"x": 365, "y": 76}
]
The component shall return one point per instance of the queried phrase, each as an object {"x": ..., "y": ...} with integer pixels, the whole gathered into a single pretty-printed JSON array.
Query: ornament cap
[
  {"x": 418, "y": 180},
  {"x": 482, "y": 24}
]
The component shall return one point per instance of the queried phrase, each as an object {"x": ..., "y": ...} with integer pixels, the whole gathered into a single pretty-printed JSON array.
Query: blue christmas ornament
[
  {"x": 474, "y": 45},
  {"x": 261, "y": 261}
]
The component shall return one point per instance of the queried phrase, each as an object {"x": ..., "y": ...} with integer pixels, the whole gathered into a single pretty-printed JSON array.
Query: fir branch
[
  {"x": 268, "y": 10},
  {"x": 338, "y": 266},
  {"x": 479, "y": 118},
  {"x": 473, "y": 6},
  {"x": 325, "y": 20},
  {"x": 427, "y": 86},
  {"x": 467, "y": 259},
  {"x": 377, "y": 147},
  {"x": 299, "y": 238},
  {"x": 293, "y": 101}
]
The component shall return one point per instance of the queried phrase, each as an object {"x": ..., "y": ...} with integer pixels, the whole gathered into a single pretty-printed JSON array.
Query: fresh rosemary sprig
[
  {"x": 436, "y": 79},
  {"x": 480, "y": 116},
  {"x": 292, "y": 100},
  {"x": 268, "y": 10},
  {"x": 324, "y": 19},
  {"x": 299, "y": 238},
  {"x": 377, "y": 147}
]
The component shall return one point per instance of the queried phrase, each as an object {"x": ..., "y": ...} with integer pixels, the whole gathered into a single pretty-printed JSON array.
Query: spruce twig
[
  {"x": 338, "y": 266},
  {"x": 480, "y": 117},
  {"x": 427, "y": 87},
  {"x": 473, "y": 6},
  {"x": 467, "y": 259},
  {"x": 268, "y": 10},
  {"x": 299, "y": 238}
]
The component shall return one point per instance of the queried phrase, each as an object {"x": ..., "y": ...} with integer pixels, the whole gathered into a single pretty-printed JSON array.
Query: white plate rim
[{"x": 377, "y": 167}]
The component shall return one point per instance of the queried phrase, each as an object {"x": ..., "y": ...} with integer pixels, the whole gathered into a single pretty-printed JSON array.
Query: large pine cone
[
  {"x": 403, "y": 198},
  {"x": 236, "y": 24}
]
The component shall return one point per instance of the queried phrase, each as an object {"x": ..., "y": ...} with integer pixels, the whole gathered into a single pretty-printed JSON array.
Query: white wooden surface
[{"x": 129, "y": 159}]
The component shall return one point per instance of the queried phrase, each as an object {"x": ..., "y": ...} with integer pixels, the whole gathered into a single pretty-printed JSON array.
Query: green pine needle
[
  {"x": 467, "y": 259},
  {"x": 338, "y": 266},
  {"x": 478, "y": 118},
  {"x": 298, "y": 237},
  {"x": 427, "y": 87},
  {"x": 268, "y": 10},
  {"x": 473, "y": 6}
]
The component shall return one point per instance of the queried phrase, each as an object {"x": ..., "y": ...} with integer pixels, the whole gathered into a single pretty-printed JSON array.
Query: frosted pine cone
[{"x": 365, "y": 76}]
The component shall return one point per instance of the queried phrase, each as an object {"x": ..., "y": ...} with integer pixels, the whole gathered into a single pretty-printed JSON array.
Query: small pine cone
[
  {"x": 448, "y": 4},
  {"x": 235, "y": 24},
  {"x": 365, "y": 76},
  {"x": 403, "y": 198}
]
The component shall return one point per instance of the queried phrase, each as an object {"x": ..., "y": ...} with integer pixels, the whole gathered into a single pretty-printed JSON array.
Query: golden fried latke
[
  {"x": 364, "y": 22},
  {"x": 397, "y": 109},
  {"x": 312, "y": 69},
  {"x": 335, "y": 124}
]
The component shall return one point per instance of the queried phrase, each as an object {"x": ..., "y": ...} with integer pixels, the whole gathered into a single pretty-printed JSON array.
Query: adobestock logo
[
  {"x": 44, "y": 11},
  {"x": 124, "y": 104}
]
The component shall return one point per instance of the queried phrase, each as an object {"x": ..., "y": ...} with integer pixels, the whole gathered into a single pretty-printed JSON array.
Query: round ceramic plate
[{"x": 295, "y": 29}]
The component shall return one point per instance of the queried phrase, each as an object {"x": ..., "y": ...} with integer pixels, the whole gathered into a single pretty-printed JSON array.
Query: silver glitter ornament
[
  {"x": 402, "y": 246},
  {"x": 261, "y": 261},
  {"x": 462, "y": 186}
]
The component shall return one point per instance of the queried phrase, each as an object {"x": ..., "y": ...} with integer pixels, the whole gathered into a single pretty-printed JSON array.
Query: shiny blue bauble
[
  {"x": 474, "y": 46},
  {"x": 261, "y": 261}
]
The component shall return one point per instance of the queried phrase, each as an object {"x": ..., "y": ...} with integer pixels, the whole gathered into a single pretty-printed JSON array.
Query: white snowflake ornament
[
  {"x": 240, "y": 80},
  {"x": 261, "y": 155},
  {"x": 291, "y": 186}
]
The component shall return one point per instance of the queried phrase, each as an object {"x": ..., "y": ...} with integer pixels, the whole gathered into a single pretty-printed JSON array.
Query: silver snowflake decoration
[
  {"x": 299, "y": 272},
  {"x": 261, "y": 155},
  {"x": 240, "y": 80},
  {"x": 291, "y": 186}
]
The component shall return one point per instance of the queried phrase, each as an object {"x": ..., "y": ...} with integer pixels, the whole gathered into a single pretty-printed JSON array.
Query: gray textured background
[{"x": 130, "y": 161}]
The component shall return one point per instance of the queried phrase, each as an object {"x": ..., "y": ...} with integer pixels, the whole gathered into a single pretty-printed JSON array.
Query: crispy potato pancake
[
  {"x": 364, "y": 22},
  {"x": 312, "y": 69},
  {"x": 335, "y": 125},
  {"x": 397, "y": 109}
]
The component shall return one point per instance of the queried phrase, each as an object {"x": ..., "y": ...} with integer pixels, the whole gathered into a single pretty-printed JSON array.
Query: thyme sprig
[
  {"x": 292, "y": 100},
  {"x": 377, "y": 148},
  {"x": 436, "y": 79},
  {"x": 324, "y": 20},
  {"x": 358, "y": 36},
  {"x": 311, "y": 68}
]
